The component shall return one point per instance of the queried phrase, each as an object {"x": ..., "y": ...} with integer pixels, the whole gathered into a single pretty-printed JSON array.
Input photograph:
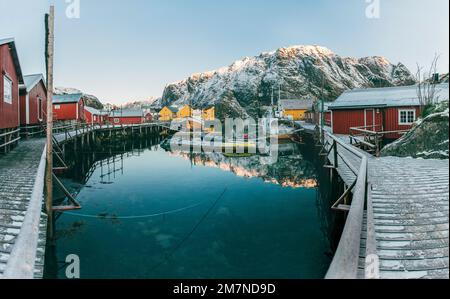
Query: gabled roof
[
  {"x": 126, "y": 113},
  {"x": 326, "y": 106},
  {"x": 296, "y": 104},
  {"x": 93, "y": 111},
  {"x": 30, "y": 81},
  {"x": 174, "y": 109},
  {"x": 385, "y": 97},
  {"x": 15, "y": 56},
  {"x": 67, "y": 98}
]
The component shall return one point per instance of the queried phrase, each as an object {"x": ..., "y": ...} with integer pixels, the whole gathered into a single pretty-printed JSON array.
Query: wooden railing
[
  {"x": 8, "y": 138},
  {"x": 30, "y": 131},
  {"x": 346, "y": 260},
  {"x": 370, "y": 138},
  {"x": 21, "y": 263}
]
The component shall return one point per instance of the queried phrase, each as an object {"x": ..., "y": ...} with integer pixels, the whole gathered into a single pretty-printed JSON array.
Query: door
[{"x": 369, "y": 119}]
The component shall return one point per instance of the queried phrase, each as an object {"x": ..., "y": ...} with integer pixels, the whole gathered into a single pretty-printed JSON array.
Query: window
[
  {"x": 116, "y": 120},
  {"x": 40, "y": 108},
  {"x": 57, "y": 107},
  {"x": 407, "y": 117},
  {"x": 7, "y": 90}
]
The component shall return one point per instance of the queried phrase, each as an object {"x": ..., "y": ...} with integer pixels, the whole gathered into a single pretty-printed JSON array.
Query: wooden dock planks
[
  {"x": 411, "y": 215},
  {"x": 18, "y": 171}
]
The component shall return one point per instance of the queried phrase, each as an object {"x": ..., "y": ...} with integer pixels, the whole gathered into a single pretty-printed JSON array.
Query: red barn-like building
[
  {"x": 33, "y": 100},
  {"x": 380, "y": 109},
  {"x": 94, "y": 116},
  {"x": 126, "y": 117},
  {"x": 68, "y": 107},
  {"x": 10, "y": 79}
]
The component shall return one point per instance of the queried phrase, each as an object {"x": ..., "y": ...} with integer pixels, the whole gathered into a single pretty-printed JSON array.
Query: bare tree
[{"x": 426, "y": 86}]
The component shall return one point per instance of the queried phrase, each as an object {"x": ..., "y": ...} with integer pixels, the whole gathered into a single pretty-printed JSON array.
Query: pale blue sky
[{"x": 127, "y": 50}]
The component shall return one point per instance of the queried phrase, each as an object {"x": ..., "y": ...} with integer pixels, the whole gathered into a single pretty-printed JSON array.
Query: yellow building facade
[
  {"x": 295, "y": 109},
  {"x": 166, "y": 114},
  {"x": 209, "y": 113},
  {"x": 295, "y": 114},
  {"x": 184, "y": 112}
]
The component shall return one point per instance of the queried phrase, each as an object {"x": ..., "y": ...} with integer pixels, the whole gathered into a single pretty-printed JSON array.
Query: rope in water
[{"x": 135, "y": 217}]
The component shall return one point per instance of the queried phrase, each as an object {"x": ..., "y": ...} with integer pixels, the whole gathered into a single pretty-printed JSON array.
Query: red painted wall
[
  {"x": 343, "y": 120},
  {"x": 391, "y": 123},
  {"x": 69, "y": 111},
  {"x": 327, "y": 118},
  {"x": 127, "y": 120},
  {"x": 9, "y": 113},
  {"x": 89, "y": 118},
  {"x": 37, "y": 92}
]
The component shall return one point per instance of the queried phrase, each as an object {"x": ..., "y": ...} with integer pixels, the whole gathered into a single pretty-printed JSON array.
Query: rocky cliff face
[
  {"x": 428, "y": 139},
  {"x": 89, "y": 100},
  {"x": 303, "y": 72}
]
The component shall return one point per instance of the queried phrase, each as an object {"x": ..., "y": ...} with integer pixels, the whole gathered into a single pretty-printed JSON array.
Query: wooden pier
[
  {"x": 398, "y": 221},
  {"x": 23, "y": 225}
]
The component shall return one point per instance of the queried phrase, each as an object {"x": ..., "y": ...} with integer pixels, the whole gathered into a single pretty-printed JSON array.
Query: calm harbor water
[{"x": 150, "y": 213}]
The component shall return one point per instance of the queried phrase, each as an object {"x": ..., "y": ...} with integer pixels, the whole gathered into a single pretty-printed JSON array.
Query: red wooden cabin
[
  {"x": 33, "y": 100},
  {"x": 68, "y": 107},
  {"x": 10, "y": 79},
  {"x": 149, "y": 117},
  {"x": 380, "y": 109},
  {"x": 94, "y": 116},
  {"x": 126, "y": 117}
]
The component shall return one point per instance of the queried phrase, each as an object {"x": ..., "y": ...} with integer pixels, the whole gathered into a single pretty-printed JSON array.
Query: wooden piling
[{"x": 49, "y": 170}]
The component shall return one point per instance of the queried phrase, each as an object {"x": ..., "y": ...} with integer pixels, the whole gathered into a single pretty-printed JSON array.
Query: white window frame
[
  {"x": 40, "y": 109},
  {"x": 7, "y": 79},
  {"x": 57, "y": 107},
  {"x": 116, "y": 120},
  {"x": 407, "y": 116}
]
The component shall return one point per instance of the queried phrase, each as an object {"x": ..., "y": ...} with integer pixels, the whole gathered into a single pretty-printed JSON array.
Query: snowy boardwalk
[
  {"x": 21, "y": 202},
  {"x": 410, "y": 201}
]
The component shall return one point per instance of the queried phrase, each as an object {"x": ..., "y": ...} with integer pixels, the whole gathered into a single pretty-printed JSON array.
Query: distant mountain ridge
[
  {"x": 303, "y": 72},
  {"x": 89, "y": 100},
  {"x": 152, "y": 102}
]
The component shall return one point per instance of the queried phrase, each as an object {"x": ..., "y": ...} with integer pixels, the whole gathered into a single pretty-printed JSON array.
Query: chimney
[{"x": 436, "y": 78}]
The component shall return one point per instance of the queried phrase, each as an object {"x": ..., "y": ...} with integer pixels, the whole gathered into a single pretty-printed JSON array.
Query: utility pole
[{"x": 50, "y": 24}]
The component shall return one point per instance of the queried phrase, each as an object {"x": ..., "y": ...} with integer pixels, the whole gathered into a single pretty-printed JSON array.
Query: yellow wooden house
[
  {"x": 168, "y": 113},
  {"x": 209, "y": 113},
  {"x": 294, "y": 109},
  {"x": 184, "y": 112}
]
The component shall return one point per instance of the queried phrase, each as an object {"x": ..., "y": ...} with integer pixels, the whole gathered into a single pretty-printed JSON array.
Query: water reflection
[{"x": 152, "y": 213}]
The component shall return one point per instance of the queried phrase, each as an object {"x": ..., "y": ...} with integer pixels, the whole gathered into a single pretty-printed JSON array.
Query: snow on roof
[
  {"x": 386, "y": 97},
  {"x": 126, "y": 113},
  {"x": 296, "y": 104},
  {"x": 174, "y": 109},
  {"x": 14, "y": 55},
  {"x": 30, "y": 81},
  {"x": 93, "y": 111},
  {"x": 67, "y": 98}
]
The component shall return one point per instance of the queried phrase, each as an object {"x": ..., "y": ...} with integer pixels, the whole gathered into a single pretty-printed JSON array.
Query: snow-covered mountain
[
  {"x": 152, "y": 102},
  {"x": 303, "y": 72},
  {"x": 90, "y": 100}
]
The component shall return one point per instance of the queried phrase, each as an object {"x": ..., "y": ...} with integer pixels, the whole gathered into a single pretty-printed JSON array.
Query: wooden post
[
  {"x": 49, "y": 170},
  {"x": 335, "y": 154}
]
